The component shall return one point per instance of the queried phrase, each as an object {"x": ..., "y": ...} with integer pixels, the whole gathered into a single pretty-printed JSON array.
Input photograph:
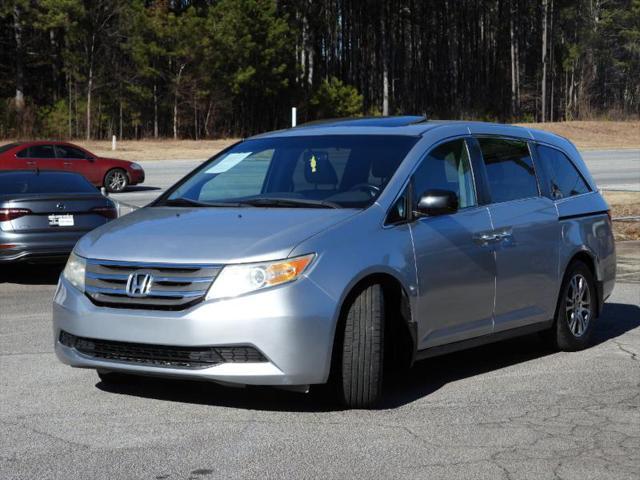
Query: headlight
[
  {"x": 74, "y": 271},
  {"x": 235, "y": 280},
  {"x": 135, "y": 166}
]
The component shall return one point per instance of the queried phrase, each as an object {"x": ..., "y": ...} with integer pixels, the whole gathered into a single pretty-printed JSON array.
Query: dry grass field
[
  {"x": 624, "y": 204},
  {"x": 595, "y": 135},
  {"x": 137, "y": 150},
  {"x": 587, "y": 135}
]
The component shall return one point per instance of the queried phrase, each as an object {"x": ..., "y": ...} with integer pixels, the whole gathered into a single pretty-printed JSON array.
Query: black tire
[
  {"x": 114, "y": 378},
  {"x": 571, "y": 331},
  {"x": 116, "y": 180},
  {"x": 363, "y": 349}
]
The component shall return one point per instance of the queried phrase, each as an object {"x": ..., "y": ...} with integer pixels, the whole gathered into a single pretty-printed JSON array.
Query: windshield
[{"x": 333, "y": 171}]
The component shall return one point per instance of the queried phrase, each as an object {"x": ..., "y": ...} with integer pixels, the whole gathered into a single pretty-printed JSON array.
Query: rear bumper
[{"x": 23, "y": 248}]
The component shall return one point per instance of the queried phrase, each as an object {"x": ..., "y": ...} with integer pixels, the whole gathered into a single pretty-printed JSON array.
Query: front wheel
[
  {"x": 363, "y": 349},
  {"x": 116, "y": 180},
  {"x": 576, "y": 310}
]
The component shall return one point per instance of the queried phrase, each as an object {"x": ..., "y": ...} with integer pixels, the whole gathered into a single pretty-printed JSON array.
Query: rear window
[
  {"x": 8, "y": 146},
  {"x": 49, "y": 182},
  {"x": 564, "y": 178},
  {"x": 510, "y": 169}
]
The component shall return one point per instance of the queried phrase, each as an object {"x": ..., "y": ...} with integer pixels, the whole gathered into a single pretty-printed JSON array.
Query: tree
[{"x": 335, "y": 99}]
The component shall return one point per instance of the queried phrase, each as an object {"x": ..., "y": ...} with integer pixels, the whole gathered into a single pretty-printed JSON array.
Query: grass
[
  {"x": 163, "y": 149},
  {"x": 585, "y": 134},
  {"x": 595, "y": 135},
  {"x": 624, "y": 204}
]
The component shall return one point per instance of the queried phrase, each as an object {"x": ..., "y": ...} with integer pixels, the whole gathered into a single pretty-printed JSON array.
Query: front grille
[
  {"x": 161, "y": 355},
  {"x": 172, "y": 286}
]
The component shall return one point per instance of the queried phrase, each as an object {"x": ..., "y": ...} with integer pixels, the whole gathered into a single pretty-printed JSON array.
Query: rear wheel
[
  {"x": 576, "y": 310},
  {"x": 363, "y": 349},
  {"x": 116, "y": 180}
]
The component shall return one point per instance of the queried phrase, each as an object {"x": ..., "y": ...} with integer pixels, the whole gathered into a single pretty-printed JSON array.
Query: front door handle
[{"x": 485, "y": 238}]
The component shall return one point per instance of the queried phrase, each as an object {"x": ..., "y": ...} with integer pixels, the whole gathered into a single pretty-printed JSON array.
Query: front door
[
  {"x": 526, "y": 232},
  {"x": 455, "y": 267},
  {"x": 77, "y": 161}
]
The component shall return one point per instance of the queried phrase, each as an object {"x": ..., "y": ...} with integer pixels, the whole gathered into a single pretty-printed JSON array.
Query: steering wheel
[{"x": 372, "y": 190}]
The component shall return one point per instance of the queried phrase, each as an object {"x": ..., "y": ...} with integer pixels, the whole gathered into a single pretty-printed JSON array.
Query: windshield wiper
[
  {"x": 187, "y": 202},
  {"x": 289, "y": 202}
]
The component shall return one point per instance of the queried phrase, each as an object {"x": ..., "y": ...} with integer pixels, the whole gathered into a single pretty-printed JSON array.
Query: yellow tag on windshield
[{"x": 313, "y": 163}]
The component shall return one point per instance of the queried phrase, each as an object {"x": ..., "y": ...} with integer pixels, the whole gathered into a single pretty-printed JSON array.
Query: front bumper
[
  {"x": 136, "y": 176},
  {"x": 292, "y": 326}
]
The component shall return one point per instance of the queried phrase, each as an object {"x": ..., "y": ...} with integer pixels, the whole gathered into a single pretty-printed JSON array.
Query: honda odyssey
[{"x": 325, "y": 252}]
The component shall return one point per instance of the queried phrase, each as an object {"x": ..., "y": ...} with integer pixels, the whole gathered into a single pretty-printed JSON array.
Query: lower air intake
[{"x": 161, "y": 355}]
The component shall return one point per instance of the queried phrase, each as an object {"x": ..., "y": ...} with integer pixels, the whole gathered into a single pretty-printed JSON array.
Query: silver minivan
[{"x": 329, "y": 252}]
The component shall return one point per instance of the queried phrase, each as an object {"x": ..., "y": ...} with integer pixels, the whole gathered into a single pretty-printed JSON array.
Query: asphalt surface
[
  {"x": 612, "y": 170},
  {"x": 510, "y": 410}
]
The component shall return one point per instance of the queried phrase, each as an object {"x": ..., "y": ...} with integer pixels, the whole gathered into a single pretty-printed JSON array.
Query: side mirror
[
  {"x": 437, "y": 202},
  {"x": 91, "y": 159}
]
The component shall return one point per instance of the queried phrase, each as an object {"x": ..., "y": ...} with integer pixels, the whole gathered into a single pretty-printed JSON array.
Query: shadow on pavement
[
  {"x": 138, "y": 188},
  {"x": 402, "y": 388},
  {"x": 32, "y": 274}
]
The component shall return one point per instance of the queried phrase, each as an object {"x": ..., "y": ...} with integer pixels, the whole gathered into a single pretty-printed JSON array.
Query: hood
[
  {"x": 117, "y": 161},
  {"x": 207, "y": 235}
]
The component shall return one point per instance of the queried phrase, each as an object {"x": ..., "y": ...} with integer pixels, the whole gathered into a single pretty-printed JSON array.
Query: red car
[{"x": 113, "y": 174}]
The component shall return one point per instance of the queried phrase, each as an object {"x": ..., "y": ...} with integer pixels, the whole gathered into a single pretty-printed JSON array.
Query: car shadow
[
  {"x": 402, "y": 388},
  {"x": 32, "y": 274},
  {"x": 138, "y": 188}
]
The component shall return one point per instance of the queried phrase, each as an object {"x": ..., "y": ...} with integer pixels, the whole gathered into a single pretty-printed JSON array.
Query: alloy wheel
[
  {"x": 117, "y": 181},
  {"x": 578, "y": 305}
]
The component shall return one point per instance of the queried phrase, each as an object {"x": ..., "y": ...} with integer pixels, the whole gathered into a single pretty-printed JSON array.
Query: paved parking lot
[{"x": 511, "y": 410}]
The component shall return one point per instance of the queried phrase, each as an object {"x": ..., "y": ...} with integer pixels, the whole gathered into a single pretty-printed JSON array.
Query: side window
[
  {"x": 564, "y": 178},
  {"x": 42, "y": 151},
  {"x": 244, "y": 175},
  {"x": 66, "y": 151},
  {"x": 447, "y": 167},
  {"x": 398, "y": 212},
  {"x": 510, "y": 169},
  {"x": 23, "y": 153}
]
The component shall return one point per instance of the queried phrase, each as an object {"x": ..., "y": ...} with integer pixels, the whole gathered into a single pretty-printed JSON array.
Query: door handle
[
  {"x": 485, "y": 238},
  {"x": 67, "y": 164},
  {"x": 493, "y": 237},
  {"x": 31, "y": 164}
]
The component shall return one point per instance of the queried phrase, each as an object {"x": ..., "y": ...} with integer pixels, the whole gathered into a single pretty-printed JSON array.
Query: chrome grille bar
[{"x": 173, "y": 286}]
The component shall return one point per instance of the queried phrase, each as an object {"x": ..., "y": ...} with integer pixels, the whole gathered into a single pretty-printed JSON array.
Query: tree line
[{"x": 203, "y": 69}]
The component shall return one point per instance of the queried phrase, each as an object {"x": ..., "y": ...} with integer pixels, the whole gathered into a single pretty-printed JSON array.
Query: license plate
[{"x": 61, "y": 220}]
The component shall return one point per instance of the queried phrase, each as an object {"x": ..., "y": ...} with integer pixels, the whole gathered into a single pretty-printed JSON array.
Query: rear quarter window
[{"x": 563, "y": 177}]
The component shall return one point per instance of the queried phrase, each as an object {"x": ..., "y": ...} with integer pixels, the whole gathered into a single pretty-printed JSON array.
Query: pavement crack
[{"x": 623, "y": 348}]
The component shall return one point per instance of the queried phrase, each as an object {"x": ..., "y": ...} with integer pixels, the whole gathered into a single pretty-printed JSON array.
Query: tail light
[
  {"x": 107, "y": 212},
  {"x": 7, "y": 214}
]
